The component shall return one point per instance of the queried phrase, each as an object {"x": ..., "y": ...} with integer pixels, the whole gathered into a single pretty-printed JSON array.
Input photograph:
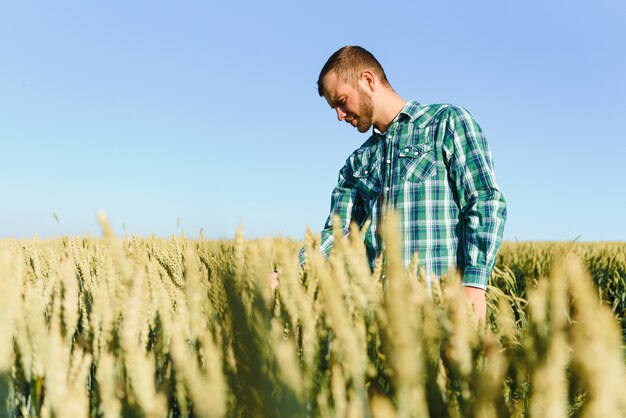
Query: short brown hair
[{"x": 349, "y": 62}]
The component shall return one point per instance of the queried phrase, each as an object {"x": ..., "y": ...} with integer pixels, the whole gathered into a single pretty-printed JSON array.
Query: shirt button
[
  {"x": 366, "y": 171},
  {"x": 406, "y": 150},
  {"x": 415, "y": 153},
  {"x": 388, "y": 161},
  {"x": 386, "y": 189}
]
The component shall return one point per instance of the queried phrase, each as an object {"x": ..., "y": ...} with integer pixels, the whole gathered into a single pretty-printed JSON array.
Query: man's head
[
  {"x": 348, "y": 63},
  {"x": 349, "y": 81}
]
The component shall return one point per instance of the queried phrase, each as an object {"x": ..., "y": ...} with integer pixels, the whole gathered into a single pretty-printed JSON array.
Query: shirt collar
[
  {"x": 418, "y": 113},
  {"x": 399, "y": 116}
]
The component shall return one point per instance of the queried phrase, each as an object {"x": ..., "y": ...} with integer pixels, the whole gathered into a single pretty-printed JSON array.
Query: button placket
[{"x": 389, "y": 167}]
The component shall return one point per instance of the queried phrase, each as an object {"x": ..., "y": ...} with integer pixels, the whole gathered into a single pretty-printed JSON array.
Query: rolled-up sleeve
[{"x": 481, "y": 202}]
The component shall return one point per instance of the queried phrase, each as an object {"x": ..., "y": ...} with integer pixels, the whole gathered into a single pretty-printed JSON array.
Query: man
[{"x": 429, "y": 163}]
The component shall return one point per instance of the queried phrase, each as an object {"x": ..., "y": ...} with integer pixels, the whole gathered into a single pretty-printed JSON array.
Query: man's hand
[
  {"x": 273, "y": 280},
  {"x": 478, "y": 300}
]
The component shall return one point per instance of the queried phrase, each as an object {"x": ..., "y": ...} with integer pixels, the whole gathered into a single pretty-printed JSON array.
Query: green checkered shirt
[{"x": 434, "y": 168}]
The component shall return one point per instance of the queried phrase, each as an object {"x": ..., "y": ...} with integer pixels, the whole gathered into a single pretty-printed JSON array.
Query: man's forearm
[{"x": 478, "y": 300}]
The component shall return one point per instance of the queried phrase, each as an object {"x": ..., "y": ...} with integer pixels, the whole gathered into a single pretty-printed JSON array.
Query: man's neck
[{"x": 390, "y": 105}]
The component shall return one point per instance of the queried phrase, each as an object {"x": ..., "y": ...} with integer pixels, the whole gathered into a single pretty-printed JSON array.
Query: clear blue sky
[{"x": 189, "y": 115}]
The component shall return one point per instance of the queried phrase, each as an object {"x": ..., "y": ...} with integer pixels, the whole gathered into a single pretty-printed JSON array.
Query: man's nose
[{"x": 341, "y": 115}]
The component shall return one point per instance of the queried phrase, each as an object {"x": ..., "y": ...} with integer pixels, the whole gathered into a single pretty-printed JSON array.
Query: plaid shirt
[{"x": 434, "y": 168}]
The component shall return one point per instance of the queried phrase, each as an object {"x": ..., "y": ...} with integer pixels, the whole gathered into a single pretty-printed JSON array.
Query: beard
[{"x": 366, "y": 111}]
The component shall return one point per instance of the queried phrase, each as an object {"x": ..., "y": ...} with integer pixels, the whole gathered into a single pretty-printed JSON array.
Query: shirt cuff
[{"x": 476, "y": 277}]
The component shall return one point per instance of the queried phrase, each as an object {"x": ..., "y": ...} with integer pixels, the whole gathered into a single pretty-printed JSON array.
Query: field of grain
[{"x": 153, "y": 327}]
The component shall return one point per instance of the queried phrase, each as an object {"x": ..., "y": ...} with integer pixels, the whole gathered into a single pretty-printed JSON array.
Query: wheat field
[{"x": 151, "y": 327}]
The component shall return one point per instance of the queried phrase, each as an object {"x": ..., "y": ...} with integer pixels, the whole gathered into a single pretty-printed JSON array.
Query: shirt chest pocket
[
  {"x": 417, "y": 162},
  {"x": 367, "y": 180}
]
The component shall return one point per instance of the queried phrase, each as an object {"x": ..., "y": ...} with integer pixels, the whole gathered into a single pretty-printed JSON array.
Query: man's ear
[{"x": 369, "y": 80}]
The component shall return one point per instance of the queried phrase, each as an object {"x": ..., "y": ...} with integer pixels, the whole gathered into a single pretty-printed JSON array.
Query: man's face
[{"x": 353, "y": 105}]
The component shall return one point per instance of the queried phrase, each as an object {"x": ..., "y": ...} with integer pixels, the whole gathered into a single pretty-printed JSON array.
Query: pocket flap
[{"x": 414, "y": 150}]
